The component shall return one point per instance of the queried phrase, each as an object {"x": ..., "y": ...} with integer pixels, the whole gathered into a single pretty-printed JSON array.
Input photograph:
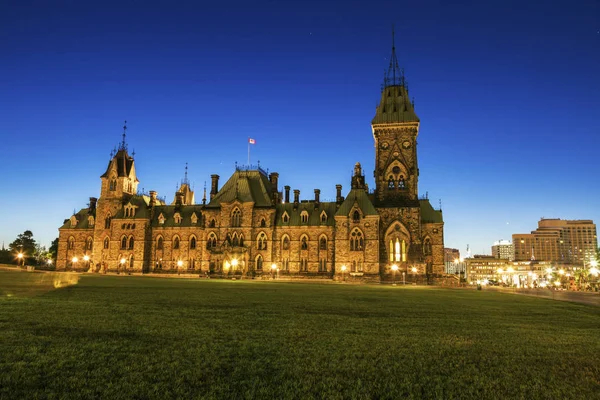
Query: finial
[
  {"x": 440, "y": 204},
  {"x": 393, "y": 76},
  {"x": 133, "y": 153},
  {"x": 185, "y": 179},
  {"x": 123, "y": 146}
]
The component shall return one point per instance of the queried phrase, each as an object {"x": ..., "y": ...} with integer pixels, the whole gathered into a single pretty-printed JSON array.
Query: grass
[{"x": 135, "y": 337}]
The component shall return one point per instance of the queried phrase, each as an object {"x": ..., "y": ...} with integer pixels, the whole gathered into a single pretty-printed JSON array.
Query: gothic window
[
  {"x": 131, "y": 243},
  {"x": 322, "y": 265},
  {"x": 391, "y": 182},
  {"x": 304, "y": 243},
  {"x": 356, "y": 240},
  {"x": 159, "y": 243},
  {"x": 235, "y": 241},
  {"x": 132, "y": 226},
  {"x": 112, "y": 185},
  {"x": 193, "y": 243},
  {"x": 285, "y": 243},
  {"x": 353, "y": 266},
  {"x": 106, "y": 243},
  {"x": 212, "y": 241},
  {"x": 303, "y": 264},
  {"x": 107, "y": 222},
  {"x": 176, "y": 243},
  {"x": 91, "y": 221},
  {"x": 262, "y": 241},
  {"x": 212, "y": 223},
  {"x": 285, "y": 218},
  {"x": 355, "y": 216},
  {"x": 323, "y": 217},
  {"x": 360, "y": 266},
  {"x": 402, "y": 183},
  {"x": 161, "y": 219},
  {"x": 263, "y": 223},
  {"x": 304, "y": 217},
  {"x": 123, "y": 243},
  {"x": 177, "y": 218},
  {"x": 398, "y": 250},
  {"x": 236, "y": 217},
  {"x": 89, "y": 245},
  {"x": 427, "y": 247},
  {"x": 241, "y": 240},
  {"x": 323, "y": 243},
  {"x": 71, "y": 243},
  {"x": 259, "y": 263}
]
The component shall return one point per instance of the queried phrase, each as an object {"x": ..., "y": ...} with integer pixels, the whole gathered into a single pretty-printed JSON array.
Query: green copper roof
[
  {"x": 245, "y": 186},
  {"x": 394, "y": 107},
  {"x": 168, "y": 212},
  {"x": 314, "y": 214},
  {"x": 82, "y": 220},
  {"x": 428, "y": 213},
  {"x": 360, "y": 197}
]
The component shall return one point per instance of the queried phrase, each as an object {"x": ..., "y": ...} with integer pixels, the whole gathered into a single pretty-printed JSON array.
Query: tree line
[{"x": 32, "y": 253}]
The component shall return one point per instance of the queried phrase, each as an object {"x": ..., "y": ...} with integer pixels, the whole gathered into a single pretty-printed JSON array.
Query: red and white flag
[{"x": 251, "y": 141}]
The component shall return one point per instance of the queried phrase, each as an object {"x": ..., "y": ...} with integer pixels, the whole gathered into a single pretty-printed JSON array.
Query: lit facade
[{"x": 503, "y": 249}]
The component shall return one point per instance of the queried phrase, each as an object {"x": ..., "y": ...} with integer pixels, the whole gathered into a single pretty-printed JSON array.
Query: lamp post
[
  {"x": 21, "y": 259},
  {"x": 274, "y": 270},
  {"x": 122, "y": 264},
  {"x": 414, "y": 271},
  {"x": 86, "y": 258},
  {"x": 404, "y": 278},
  {"x": 74, "y": 260},
  {"x": 179, "y": 265},
  {"x": 343, "y": 273},
  {"x": 394, "y": 269}
]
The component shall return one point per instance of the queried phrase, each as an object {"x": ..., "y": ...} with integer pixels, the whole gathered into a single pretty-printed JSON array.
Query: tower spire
[
  {"x": 394, "y": 75},
  {"x": 123, "y": 144},
  {"x": 185, "y": 179}
]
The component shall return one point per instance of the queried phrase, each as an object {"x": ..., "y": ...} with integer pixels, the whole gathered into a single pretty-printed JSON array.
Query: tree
[
  {"x": 53, "y": 250},
  {"x": 24, "y": 244}
]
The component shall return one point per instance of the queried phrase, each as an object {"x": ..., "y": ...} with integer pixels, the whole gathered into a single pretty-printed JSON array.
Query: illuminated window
[
  {"x": 106, "y": 243},
  {"x": 176, "y": 243},
  {"x": 285, "y": 245},
  {"x": 236, "y": 217},
  {"x": 304, "y": 243},
  {"x": 193, "y": 243},
  {"x": 123, "y": 243},
  {"x": 356, "y": 240},
  {"x": 159, "y": 243},
  {"x": 355, "y": 216},
  {"x": 262, "y": 241},
  {"x": 323, "y": 243},
  {"x": 131, "y": 243}
]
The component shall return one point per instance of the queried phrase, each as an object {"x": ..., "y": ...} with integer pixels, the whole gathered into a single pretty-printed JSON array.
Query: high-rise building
[
  {"x": 249, "y": 228},
  {"x": 503, "y": 249},
  {"x": 558, "y": 240}
]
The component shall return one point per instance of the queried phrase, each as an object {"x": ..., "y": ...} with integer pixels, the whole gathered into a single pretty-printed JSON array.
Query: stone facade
[{"x": 250, "y": 228}]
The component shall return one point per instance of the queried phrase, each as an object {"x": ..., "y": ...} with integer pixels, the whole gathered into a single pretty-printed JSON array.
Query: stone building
[{"x": 251, "y": 227}]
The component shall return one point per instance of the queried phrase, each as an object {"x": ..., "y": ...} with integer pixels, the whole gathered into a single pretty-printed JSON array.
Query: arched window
[
  {"x": 193, "y": 243},
  {"x": 401, "y": 182},
  {"x": 427, "y": 247},
  {"x": 261, "y": 243},
  {"x": 212, "y": 241},
  {"x": 113, "y": 185},
  {"x": 241, "y": 240},
  {"x": 159, "y": 243},
  {"x": 236, "y": 240},
  {"x": 285, "y": 218},
  {"x": 285, "y": 243},
  {"x": 212, "y": 223},
  {"x": 131, "y": 243},
  {"x": 355, "y": 216},
  {"x": 71, "y": 243},
  {"x": 304, "y": 243},
  {"x": 263, "y": 223},
  {"x": 259, "y": 263},
  {"x": 323, "y": 243},
  {"x": 356, "y": 240},
  {"x": 398, "y": 250},
  {"x": 391, "y": 182},
  {"x": 304, "y": 217},
  {"x": 123, "y": 243},
  {"x": 89, "y": 245},
  {"x": 323, "y": 217},
  {"x": 176, "y": 243},
  {"x": 106, "y": 243},
  {"x": 236, "y": 217},
  {"x": 107, "y": 222}
]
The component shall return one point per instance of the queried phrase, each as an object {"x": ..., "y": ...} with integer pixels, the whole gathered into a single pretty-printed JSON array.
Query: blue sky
[{"x": 508, "y": 93}]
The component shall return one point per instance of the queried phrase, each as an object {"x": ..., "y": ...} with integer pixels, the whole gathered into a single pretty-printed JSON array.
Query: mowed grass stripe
[{"x": 124, "y": 337}]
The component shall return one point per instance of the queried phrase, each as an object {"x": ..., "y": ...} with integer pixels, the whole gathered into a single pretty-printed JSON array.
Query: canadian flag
[{"x": 251, "y": 141}]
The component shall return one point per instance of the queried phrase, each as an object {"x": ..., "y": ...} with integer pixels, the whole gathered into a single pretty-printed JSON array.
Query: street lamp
[
  {"x": 21, "y": 259},
  {"x": 122, "y": 264},
  {"x": 74, "y": 260},
  {"x": 274, "y": 270},
  {"x": 394, "y": 269},
  {"x": 414, "y": 271},
  {"x": 343, "y": 273},
  {"x": 179, "y": 265},
  {"x": 86, "y": 258}
]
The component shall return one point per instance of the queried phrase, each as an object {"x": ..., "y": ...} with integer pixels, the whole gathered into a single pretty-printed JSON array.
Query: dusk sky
[{"x": 508, "y": 93}]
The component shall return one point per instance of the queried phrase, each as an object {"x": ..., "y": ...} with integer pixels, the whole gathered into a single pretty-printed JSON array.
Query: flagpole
[{"x": 248, "y": 151}]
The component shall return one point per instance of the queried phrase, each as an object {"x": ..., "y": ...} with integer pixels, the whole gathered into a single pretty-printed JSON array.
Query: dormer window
[
  {"x": 161, "y": 219},
  {"x": 285, "y": 218},
  {"x": 194, "y": 218},
  {"x": 323, "y": 217},
  {"x": 129, "y": 210},
  {"x": 177, "y": 218},
  {"x": 304, "y": 217},
  {"x": 355, "y": 216},
  {"x": 91, "y": 221},
  {"x": 73, "y": 221}
]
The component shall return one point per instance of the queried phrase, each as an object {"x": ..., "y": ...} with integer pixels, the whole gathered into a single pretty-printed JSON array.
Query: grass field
[{"x": 137, "y": 337}]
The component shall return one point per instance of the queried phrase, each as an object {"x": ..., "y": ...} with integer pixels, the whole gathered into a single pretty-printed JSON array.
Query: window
[
  {"x": 212, "y": 241},
  {"x": 353, "y": 266},
  {"x": 304, "y": 217},
  {"x": 355, "y": 216},
  {"x": 397, "y": 250},
  {"x": 235, "y": 241},
  {"x": 161, "y": 219},
  {"x": 212, "y": 223},
  {"x": 177, "y": 218},
  {"x": 159, "y": 243},
  {"x": 286, "y": 264},
  {"x": 236, "y": 217},
  {"x": 285, "y": 218},
  {"x": 322, "y": 265},
  {"x": 131, "y": 243},
  {"x": 91, "y": 221},
  {"x": 71, "y": 243},
  {"x": 112, "y": 186},
  {"x": 323, "y": 243},
  {"x": 402, "y": 183},
  {"x": 303, "y": 265},
  {"x": 123, "y": 243},
  {"x": 176, "y": 243},
  {"x": 356, "y": 240},
  {"x": 89, "y": 245},
  {"x": 427, "y": 247},
  {"x": 106, "y": 243},
  {"x": 193, "y": 243},
  {"x": 323, "y": 217},
  {"x": 263, "y": 223},
  {"x": 286, "y": 243},
  {"x": 259, "y": 263},
  {"x": 262, "y": 241},
  {"x": 391, "y": 182},
  {"x": 107, "y": 222},
  {"x": 304, "y": 243}
]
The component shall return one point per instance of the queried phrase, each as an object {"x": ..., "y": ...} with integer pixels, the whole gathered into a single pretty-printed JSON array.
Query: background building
[
  {"x": 564, "y": 241},
  {"x": 503, "y": 249}
]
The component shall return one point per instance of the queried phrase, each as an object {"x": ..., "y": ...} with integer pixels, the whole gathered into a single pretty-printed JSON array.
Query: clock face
[
  {"x": 406, "y": 144},
  {"x": 384, "y": 145}
]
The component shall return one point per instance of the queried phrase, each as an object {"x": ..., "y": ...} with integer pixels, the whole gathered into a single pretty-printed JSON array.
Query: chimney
[
  {"x": 338, "y": 196},
  {"x": 214, "y": 185},
  {"x": 152, "y": 198},
  {"x": 287, "y": 193},
  {"x": 317, "y": 197},
  {"x": 92, "y": 208},
  {"x": 179, "y": 198},
  {"x": 274, "y": 178},
  {"x": 296, "y": 197}
]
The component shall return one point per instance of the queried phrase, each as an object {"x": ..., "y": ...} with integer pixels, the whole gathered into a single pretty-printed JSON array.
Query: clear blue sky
[{"x": 508, "y": 93}]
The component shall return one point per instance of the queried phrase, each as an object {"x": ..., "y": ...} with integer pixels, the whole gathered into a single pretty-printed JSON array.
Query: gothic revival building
[{"x": 249, "y": 226}]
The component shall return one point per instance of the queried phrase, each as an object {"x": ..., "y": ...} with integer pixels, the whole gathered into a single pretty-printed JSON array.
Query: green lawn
[{"x": 140, "y": 337}]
